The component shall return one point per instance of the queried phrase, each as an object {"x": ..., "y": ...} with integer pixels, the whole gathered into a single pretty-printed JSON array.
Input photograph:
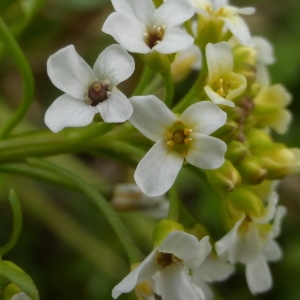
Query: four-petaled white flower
[
  {"x": 223, "y": 85},
  {"x": 213, "y": 269},
  {"x": 178, "y": 139},
  {"x": 177, "y": 253},
  {"x": 88, "y": 91},
  {"x": 229, "y": 14},
  {"x": 251, "y": 242},
  {"x": 140, "y": 28}
]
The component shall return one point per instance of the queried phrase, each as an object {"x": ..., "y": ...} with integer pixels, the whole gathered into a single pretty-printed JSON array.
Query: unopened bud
[
  {"x": 198, "y": 230},
  {"x": 243, "y": 200},
  {"x": 279, "y": 160},
  {"x": 256, "y": 137},
  {"x": 163, "y": 229},
  {"x": 252, "y": 170},
  {"x": 227, "y": 132},
  {"x": 225, "y": 178},
  {"x": 236, "y": 152}
]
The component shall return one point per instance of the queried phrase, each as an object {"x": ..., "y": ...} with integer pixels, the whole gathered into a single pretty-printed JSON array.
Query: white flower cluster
[{"x": 180, "y": 267}]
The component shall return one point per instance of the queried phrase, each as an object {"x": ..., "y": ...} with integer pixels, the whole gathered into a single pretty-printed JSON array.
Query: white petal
[
  {"x": 158, "y": 169},
  {"x": 216, "y": 98},
  {"x": 67, "y": 111},
  {"x": 276, "y": 226},
  {"x": 142, "y": 10},
  {"x": 181, "y": 244},
  {"x": 114, "y": 64},
  {"x": 173, "y": 13},
  {"x": 219, "y": 60},
  {"x": 175, "y": 283},
  {"x": 127, "y": 31},
  {"x": 272, "y": 251},
  {"x": 262, "y": 76},
  {"x": 174, "y": 40},
  {"x": 203, "y": 117},
  {"x": 145, "y": 270},
  {"x": 116, "y": 108},
  {"x": 241, "y": 85},
  {"x": 69, "y": 72},
  {"x": 258, "y": 275},
  {"x": 206, "y": 152},
  {"x": 239, "y": 29},
  {"x": 204, "y": 249},
  {"x": 151, "y": 116},
  {"x": 219, "y": 3},
  {"x": 227, "y": 241},
  {"x": 20, "y": 296},
  {"x": 270, "y": 210},
  {"x": 216, "y": 269},
  {"x": 246, "y": 10},
  {"x": 265, "y": 52}
]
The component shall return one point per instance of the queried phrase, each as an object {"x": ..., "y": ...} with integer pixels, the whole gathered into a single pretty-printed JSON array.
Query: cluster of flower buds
[{"x": 222, "y": 126}]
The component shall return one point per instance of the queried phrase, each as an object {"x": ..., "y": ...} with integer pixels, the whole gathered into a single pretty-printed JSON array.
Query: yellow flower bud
[
  {"x": 225, "y": 178},
  {"x": 256, "y": 137},
  {"x": 163, "y": 228},
  {"x": 252, "y": 170},
  {"x": 278, "y": 160}
]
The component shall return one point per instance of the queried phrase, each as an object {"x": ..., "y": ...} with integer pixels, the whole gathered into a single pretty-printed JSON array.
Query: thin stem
[
  {"x": 173, "y": 212},
  {"x": 27, "y": 78},
  {"x": 17, "y": 223},
  {"x": 147, "y": 74},
  {"x": 169, "y": 88},
  {"x": 112, "y": 217}
]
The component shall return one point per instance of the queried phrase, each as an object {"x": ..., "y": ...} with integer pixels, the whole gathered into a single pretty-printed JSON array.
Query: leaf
[{"x": 19, "y": 278}]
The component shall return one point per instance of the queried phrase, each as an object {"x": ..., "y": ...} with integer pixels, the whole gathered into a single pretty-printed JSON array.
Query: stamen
[
  {"x": 97, "y": 93},
  {"x": 187, "y": 131},
  {"x": 171, "y": 143},
  {"x": 187, "y": 141}
]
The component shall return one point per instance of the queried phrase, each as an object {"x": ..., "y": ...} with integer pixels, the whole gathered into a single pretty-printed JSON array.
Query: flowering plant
[{"x": 170, "y": 135}]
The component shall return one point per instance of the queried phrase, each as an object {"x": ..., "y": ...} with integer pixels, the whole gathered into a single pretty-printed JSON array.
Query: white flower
[
  {"x": 229, "y": 14},
  {"x": 223, "y": 85},
  {"x": 177, "y": 253},
  {"x": 213, "y": 269},
  {"x": 88, "y": 91},
  {"x": 178, "y": 139},
  {"x": 139, "y": 27},
  {"x": 129, "y": 197},
  {"x": 251, "y": 242}
]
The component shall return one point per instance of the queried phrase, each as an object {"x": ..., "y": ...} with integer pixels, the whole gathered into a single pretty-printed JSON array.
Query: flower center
[
  {"x": 222, "y": 87},
  {"x": 178, "y": 138},
  {"x": 154, "y": 35},
  {"x": 97, "y": 93},
  {"x": 166, "y": 259}
]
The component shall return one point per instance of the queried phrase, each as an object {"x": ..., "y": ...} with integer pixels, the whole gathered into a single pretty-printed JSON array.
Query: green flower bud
[
  {"x": 256, "y": 137},
  {"x": 252, "y": 170},
  {"x": 243, "y": 200},
  {"x": 225, "y": 178},
  {"x": 198, "y": 230},
  {"x": 163, "y": 228},
  {"x": 227, "y": 132},
  {"x": 236, "y": 152},
  {"x": 158, "y": 62}
]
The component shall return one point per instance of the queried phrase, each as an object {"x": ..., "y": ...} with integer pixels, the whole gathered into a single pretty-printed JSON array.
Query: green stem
[
  {"x": 27, "y": 78},
  {"x": 45, "y": 143},
  {"x": 17, "y": 223},
  {"x": 173, "y": 213},
  {"x": 145, "y": 78},
  {"x": 112, "y": 217},
  {"x": 169, "y": 87},
  {"x": 185, "y": 102}
]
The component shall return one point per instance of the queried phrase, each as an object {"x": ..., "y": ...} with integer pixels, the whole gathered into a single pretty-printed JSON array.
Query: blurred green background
[{"x": 66, "y": 245}]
